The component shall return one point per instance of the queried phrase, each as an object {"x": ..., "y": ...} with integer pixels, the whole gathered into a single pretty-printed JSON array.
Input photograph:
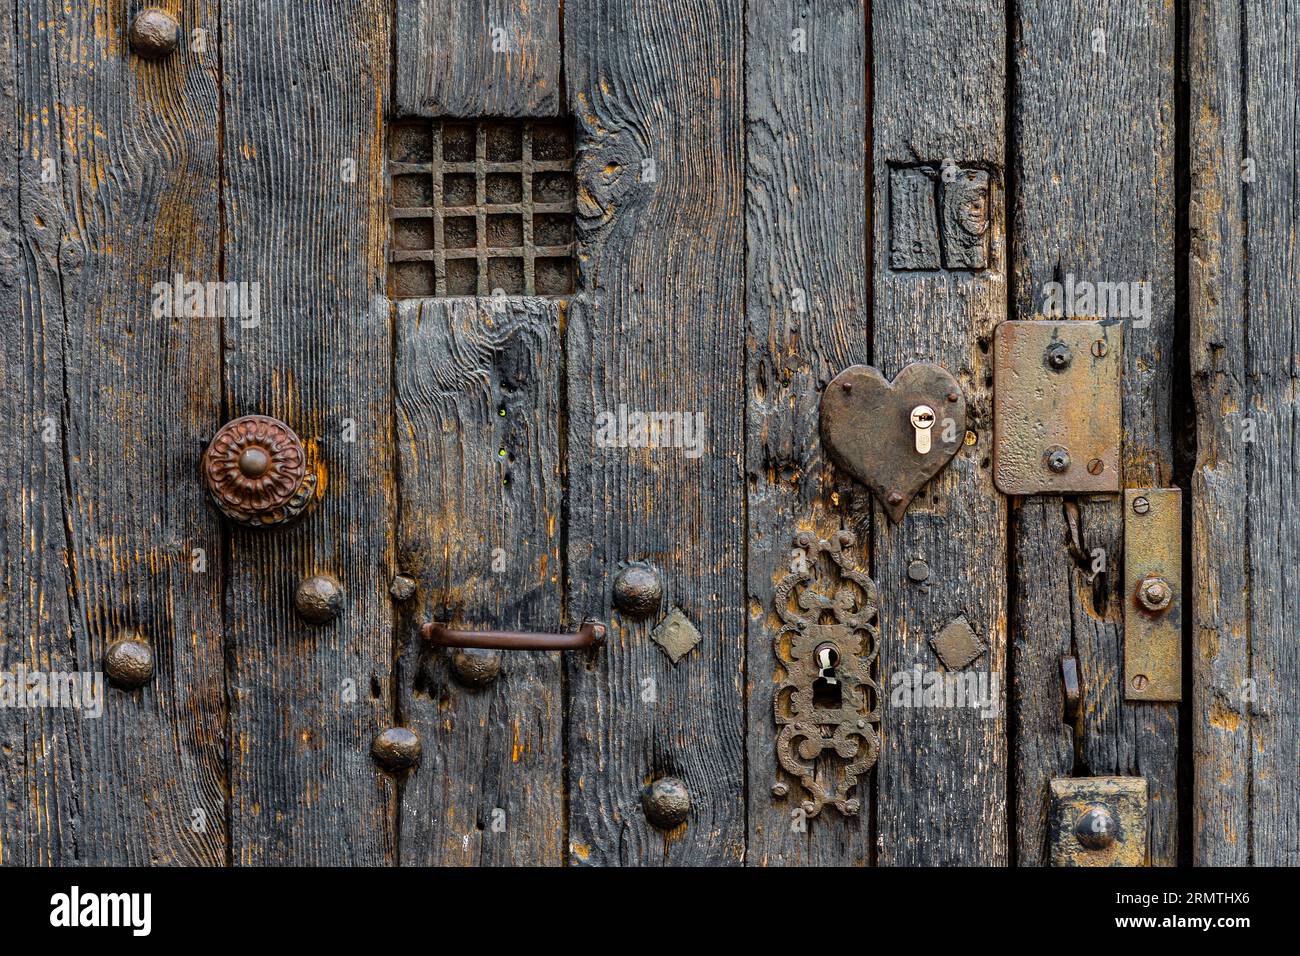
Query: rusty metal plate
[
  {"x": 1057, "y": 417},
  {"x": 1153, "y": 594},
  {"x": 1098, "y": 821},
  {"x": 867, "y": 426}
]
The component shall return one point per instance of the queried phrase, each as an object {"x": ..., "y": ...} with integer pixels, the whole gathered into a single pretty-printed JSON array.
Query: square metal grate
[{"x": 480, "y": 207}]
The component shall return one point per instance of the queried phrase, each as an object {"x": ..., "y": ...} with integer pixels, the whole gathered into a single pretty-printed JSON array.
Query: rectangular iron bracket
[
  {"x": 1098, "y": 821},
  {"x": 1153, "y": 594},
  {"x": 1057, "y": 417}
]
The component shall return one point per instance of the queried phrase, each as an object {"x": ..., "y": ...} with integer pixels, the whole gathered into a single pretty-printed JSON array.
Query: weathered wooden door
[{"x": 550, "y": 295}]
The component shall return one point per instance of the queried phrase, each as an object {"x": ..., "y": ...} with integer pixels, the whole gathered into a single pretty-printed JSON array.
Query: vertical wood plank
[
  {"x": 110, "y": 178},
  {"x": 1246, "y": 508},
  {"x": 478, "y": 389},
  {"x": 478, "y": 58},
  {"x": 806, "y": 304},
  {"x": 305, "y": 89},
  {"x": 1094, "y": 199},
  {"x": 657, "y": 328},
  {"x": 939, "y": 86}
]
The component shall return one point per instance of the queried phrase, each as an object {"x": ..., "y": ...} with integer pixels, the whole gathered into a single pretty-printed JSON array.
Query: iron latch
[{"x": 1153, "y": 591}]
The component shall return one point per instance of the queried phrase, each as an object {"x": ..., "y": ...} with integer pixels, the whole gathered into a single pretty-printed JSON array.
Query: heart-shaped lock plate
[{"x": 867, "y": 426}]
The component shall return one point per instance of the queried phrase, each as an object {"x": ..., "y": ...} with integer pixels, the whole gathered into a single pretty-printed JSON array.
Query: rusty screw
[
  {"x": 1095, "y": 466},
  {"x": 1140, "y": 682},
  {"x": 319, "y": 599},
  {"x": 396, "y": 749},
  {"x": 1058, "y": 460},
  {"x": 128, "y": 660},
  {"x": 1141, "y": 506},
  {"x": 1155, "y": 594},
  {"x": 1099, "y": 348},
  {"x": 666, "y": 803},
  {"x": 1058, "y": 356},
  {"x": 154, "y": 34},
  {"x": 638, "y": 590},
  {"x": 1095, "y": 829}
]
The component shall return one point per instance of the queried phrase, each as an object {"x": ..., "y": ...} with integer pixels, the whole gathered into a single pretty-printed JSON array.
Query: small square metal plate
[
  {"x": 1041, "y": 409},
  {"x": 1098, "y": 821},
  {"x": 676, "y": 635},
  {"x": 957, "y": 644},
  {"x": 1153, "y": 555}
]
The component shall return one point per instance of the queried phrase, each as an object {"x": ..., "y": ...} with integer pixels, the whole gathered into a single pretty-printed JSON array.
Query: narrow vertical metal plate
[
  {"x": 1040, "y": 411},
  {"x": 1099, "y": 821},
  {"x": 1153, "y": 555}
]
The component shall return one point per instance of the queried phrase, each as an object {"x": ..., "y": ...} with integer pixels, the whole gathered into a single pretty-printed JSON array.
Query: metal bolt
[
  {"x": 1095, "y": 466},
  {"x": 396, "y": 749},
  {"x": 402, "y": 588},
  {"x": 666, "y": 803},
  {"x": 1099, "y": 348},
  {"x": 1095, "y": 828},
  {"x": 319, "y": 599},
  {"x": 638, "y": 590},
  {"x": 474, "y": 666},
  {"x": 918, "y": 570},
  {"x": 154, "y": 34},
  {"x": 1059, "y": 356},
  {"x": 1141, "y": 506},
  {"x": 1155, "y": 594},
  {"x": 128, "y": 660},
  {"x": 1058, "y": 460}
]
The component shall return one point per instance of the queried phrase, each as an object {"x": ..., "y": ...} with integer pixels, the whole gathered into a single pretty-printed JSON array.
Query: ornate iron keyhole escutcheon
[{"x": 827, "y": 705}]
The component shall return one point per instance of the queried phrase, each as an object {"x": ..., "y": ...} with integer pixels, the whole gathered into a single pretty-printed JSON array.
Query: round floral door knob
[{"x": 256, "y": 472}]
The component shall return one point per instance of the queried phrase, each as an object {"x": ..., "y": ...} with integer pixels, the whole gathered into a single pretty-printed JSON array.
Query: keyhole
[{"x": 827, "y": 689}]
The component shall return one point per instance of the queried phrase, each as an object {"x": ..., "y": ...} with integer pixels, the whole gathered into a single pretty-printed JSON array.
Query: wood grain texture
[
  {"x": 305, "y": 90},
  {"x": 658, "y": 328},
  {"x": 1243, "y": 63},
  {"x": 939, "y": 86},
  {"x": 110, "y": 180},
  {"x": 478, "y": 58},
  {"x": 478, "y": 387},
  {"x": 1093, "y": 118},
  {"x": 807, "y": 303}
]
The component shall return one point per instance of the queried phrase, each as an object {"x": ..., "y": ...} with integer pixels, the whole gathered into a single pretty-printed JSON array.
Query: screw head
[
  {"x": 1058, "y": 460},
  {"x": 1099, "y": 348},
  {"x": 154, "y": 34},
  {"x": 1141, "y": 506},
  {"x": 638, "y": 590},
  {"x": 1095, "y": 828},
  {"x": 319, "y": 599},
  {"x": 1058, "y": 356},
  {"x": 1095, "y": 466},
  {"x": 1140, "y": 681},
  {"x": 918, "y": 571},
  {"x": 666, "y": 803},
  {"x": 396, "y": 749},
  {"x": 128, "y": 660},
  {"x": 1155, "y": 594},
  {"x": 475, "y": 667}
]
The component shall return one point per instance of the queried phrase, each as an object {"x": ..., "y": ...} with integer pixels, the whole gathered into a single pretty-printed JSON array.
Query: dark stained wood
[
  {"x": 657, "y": 329},
  {"x": 1094, "y": 197},
  {"x": 1246, "y": 508},
  {"x": 807, "y": 303},
  {"x": 939, "y": 84},
  {"x": 478, "y": 435},
  {"x": 478, "y": 58},
  {"x": 103, "y": 406},
  {"x": 305, "y": 90}
]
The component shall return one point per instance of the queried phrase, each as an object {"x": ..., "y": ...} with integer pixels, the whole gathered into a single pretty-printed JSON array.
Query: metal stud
[
  {"x": 1095, "y": 829},
  {"x": 638, "y": 590},
  {"x": 154, "y": 34},
  {"x": 666, "y": 802},
  {"x": 396, "y": 749},
  {"x": 319, "y": 599},
  {"x": 128, "y": 660},
  {"x": 256, "y": 472},
  {"x": 475, "y": 667}
]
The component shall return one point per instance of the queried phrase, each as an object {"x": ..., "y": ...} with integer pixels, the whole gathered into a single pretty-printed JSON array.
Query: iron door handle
[{"x": 590, "y": 634}]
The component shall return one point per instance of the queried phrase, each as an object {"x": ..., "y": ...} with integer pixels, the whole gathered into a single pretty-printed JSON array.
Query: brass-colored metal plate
[
  {"x": 1153, "y": 553},
  {"x": 1039, "y": 410},
  {"x": 1079, "y": 804}
]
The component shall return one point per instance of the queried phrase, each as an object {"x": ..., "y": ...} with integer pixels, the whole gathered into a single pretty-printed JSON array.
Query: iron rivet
[
  {"x": 396, "y": 749},
  {"x": 847, "y": 386},
  {"x": 1099, "y": 348},
  {"x": 475, "y": 666},
  {"x": 952, "y": 396},
  {"x": 1140, "y": 682},
  {"x": 319, "y": 599},
  {"x": 918, "y": 570},
  {"x": 1155, "y": 594},
  {"x": 779, "y": 790},
  {"x": 1059, "y": 356},
  {"x": 154, "y": 34},
  {"x": 666, "y": 803},
  {"x": 402, "y": 588},
  {"x": 1058, "y": 460},
  {"x": 1141, "y": 506},
  {"x": 638, "y": 590},
  {"x": 1095, "y": 466},
  {"x": 253, "y": 462},
  {"x": 128, "y": 660},
  {"x": 895, "y": 498},
  {"x": 1095, "y": 829}
]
